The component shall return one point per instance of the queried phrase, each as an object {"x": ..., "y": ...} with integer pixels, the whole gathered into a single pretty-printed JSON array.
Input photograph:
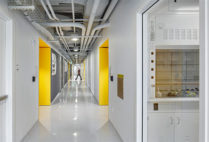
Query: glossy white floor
[{"x": 74, "y": 117}]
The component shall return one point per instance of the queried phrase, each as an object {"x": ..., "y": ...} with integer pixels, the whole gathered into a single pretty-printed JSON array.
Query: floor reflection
[{"x": 73, "y": 117}]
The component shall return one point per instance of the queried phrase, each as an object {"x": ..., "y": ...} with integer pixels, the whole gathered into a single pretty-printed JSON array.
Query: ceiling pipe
[
  {"x": 106, "y": 17},
  {"x": 109, "y": 10},
  {"x": 80, "y": 20},
  {"x": 19, "y": 2},
  {"x": 64, "y": 24},
  {"x": 58, "y": 28},
  {"x": 51, "y": 9},
  {"x": 99, "y": 27},
  {"x": 81, "y": 36},
  {"x": 43, "y": 30},
  {"x": 63, "y": 41},
  {"x": 59, "y": 34},
  {"x": 68, "y": 24},
  {"x": 55, "y": 18},
  {"x": 73, "y": 16},
  {"x": 73, "y": 12},
  {"x": 40, "y": 28},
  {"x": 46, "y": 10},
  {"x": 91, "y": 20},
  {"x": 77, "y": 53}
]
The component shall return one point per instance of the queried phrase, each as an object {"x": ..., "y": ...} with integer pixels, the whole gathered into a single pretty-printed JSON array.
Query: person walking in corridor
[{"x": 79, "y": 74}]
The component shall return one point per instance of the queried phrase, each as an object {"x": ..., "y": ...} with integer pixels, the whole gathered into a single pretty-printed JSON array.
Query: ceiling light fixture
[
  {"x": 75, "y": 134},
  {"x": 74, "y": 39}
]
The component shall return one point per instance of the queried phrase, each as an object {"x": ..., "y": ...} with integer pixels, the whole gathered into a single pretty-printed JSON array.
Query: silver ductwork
[
  {"x": 106, "y": 17},
  {"x": 58, "y": 29},
  {"x": 64, "y": 24},
  {"x": 91, "y": 20},
  {"x": 54, "y": 17},
  {"x": 109, "y": 10},
  {"x": 99, "y": 27},
  {"x": 67, "y": 24},
  {"x": 47, "y": 34},
  {"x": 46, "y": 10},
  {"x": 65, "y": 18},
  {"x": 43, "y": 30},
  {"x": 52, "y": 11}
]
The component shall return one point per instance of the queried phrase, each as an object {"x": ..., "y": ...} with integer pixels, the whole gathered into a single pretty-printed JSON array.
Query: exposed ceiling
[{"x": 71, "y": 25}]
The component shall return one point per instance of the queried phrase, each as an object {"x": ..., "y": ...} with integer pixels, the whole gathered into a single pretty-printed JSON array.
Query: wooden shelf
[
  {"x": 177, "y": 83},
  {"x": 176, "y": 64},
  {"x": 177, "y": 46},
  {"x": 177, "y": 99}
]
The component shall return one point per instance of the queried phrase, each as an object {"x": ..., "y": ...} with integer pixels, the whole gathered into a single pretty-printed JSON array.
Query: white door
[
  {"x": 2, "y": 80},
  {"x": 2, "y": 55},
  {"x": 187, "y": 127},
  {"x": 160, "y": 127}
]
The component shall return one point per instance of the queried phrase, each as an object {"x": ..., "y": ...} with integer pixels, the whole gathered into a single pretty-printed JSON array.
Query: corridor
[
  {"x": 104, "y": 70},
  {"x": 74, "y": 116}
]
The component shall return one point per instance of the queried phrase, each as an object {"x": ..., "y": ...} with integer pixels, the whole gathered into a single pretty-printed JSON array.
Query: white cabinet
[
  {"x": 160, "y": 127},
  {"x": 187, "y": 127},
  {"x": 173, "y": 127}
]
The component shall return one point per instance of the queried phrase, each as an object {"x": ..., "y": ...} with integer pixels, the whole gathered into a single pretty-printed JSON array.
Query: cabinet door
[
  {"x": 160, "y": 127},
  {"x": 187, "y": 127}
]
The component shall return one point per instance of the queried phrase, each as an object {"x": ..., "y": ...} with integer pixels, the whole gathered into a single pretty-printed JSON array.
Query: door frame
[
  {"x": 10, "y": 104},
  {"x": 204, "y": 70}
]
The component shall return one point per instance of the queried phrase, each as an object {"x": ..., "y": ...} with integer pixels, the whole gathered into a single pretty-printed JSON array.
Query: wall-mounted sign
[
  {"x": 54, "y": 64},
  {"x": 66, "y": 66}
]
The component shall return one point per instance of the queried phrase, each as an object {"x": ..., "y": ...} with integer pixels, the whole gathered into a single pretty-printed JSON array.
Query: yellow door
[
  {"x": 44, "y": 75},
  {"x": 103, "y": 75}
]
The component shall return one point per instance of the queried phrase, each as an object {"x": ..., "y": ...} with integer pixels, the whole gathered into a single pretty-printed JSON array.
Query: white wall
[
  {"x": 89, "y": 74},
  {"x": 26, "y": 56},
  {"x": 93, "y": 72},
  {"x": 122, "y": 60}
]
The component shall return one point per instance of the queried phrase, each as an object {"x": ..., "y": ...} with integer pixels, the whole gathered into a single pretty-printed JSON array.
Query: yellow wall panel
[
  {"x": 43, "y": 43},
  {"x": 68, "y": 71},
  {"x": 104, "y": 74},
  {"x": 105, "y": 44},
  {"x": 44, "y": 76},
  {"x": 84, "y": 71}
]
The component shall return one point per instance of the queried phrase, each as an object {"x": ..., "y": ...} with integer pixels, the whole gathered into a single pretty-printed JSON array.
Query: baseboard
[
  {"x": 93, "y": 95},
  {"x": 37, "y": 121},
  {"x": 58, "y": 94},
  {"x": 115, "y": 128}
]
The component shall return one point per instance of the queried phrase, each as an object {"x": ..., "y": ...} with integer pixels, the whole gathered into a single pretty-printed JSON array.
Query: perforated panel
[{"x": 180, "y": 34}]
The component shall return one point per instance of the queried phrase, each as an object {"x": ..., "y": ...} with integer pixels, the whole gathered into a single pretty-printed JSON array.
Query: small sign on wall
[
  {"x": 66, "y": 66},
  {"x": 54, "y": 64},
  {"x": 120, "y": 85}
]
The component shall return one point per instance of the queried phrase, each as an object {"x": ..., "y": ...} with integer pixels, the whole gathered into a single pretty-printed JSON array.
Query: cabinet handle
[{"x": 171, "y": 120}]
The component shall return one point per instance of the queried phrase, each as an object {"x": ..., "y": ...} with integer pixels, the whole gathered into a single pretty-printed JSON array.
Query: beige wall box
[{"x": 120, "y": 86}]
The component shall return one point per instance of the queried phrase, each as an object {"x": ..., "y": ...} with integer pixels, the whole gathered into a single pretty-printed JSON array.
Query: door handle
[
  {"x": 171, "y": 120},
  {"x": 178, "y": 121}
]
